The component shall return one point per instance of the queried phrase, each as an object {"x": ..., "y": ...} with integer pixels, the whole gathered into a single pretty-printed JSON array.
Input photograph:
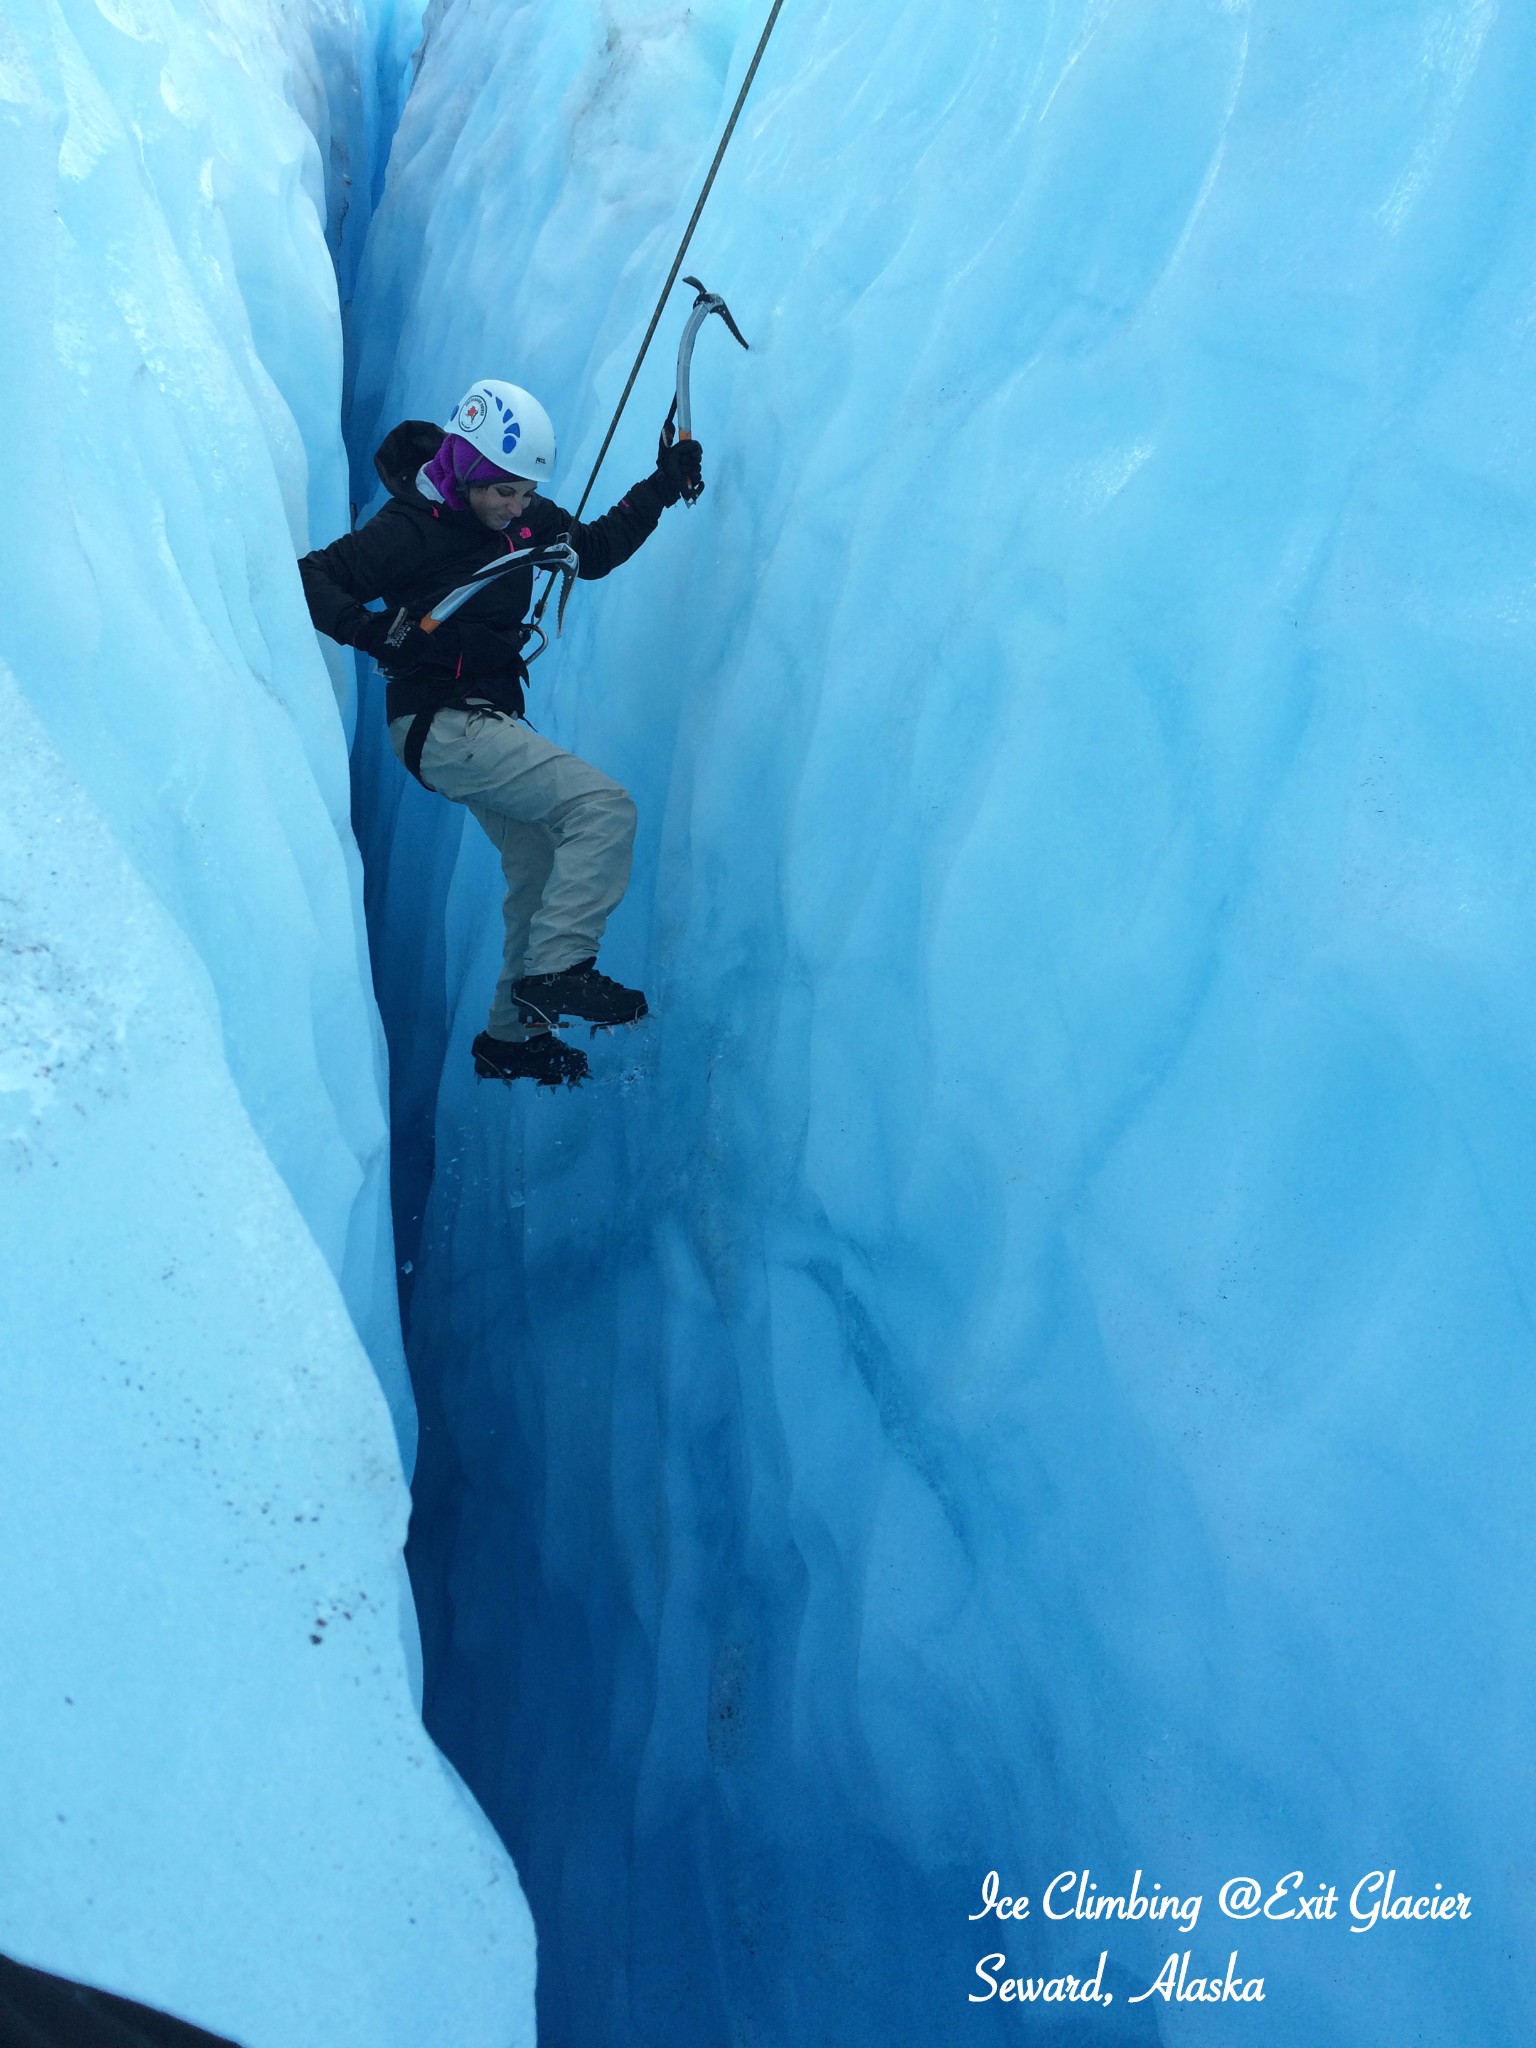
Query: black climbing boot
[
  {"x": 542, "y": 1058},
  {"x": 578, "y": 991}
]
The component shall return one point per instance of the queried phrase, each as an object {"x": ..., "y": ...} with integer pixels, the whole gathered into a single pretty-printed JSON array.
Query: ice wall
[
  {"x": 218, "y": 1796},
  {"x": 1025, "y": 1364},
  {"x": 173, "y": 370}
]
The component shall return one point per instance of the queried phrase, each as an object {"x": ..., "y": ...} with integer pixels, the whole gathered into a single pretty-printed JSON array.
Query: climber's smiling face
[{"x": 496, "y": 505}]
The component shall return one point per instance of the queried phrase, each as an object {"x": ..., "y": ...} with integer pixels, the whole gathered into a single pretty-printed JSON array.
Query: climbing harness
[
  {"x": 681, "y": 415},
  {"x": 557, "y": 556},
  {"x": 672, "y": 275}
]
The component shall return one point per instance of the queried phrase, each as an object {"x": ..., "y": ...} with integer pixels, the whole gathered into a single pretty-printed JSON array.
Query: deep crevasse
[
  {"x": 1025, "y": 1363},
  {"x": 218, "y": 1796}
]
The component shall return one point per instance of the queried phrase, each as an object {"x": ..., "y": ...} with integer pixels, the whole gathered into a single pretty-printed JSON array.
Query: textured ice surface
[
  {"x": 1025, "y": 1364},
  {"x": 217, "y": 1793},
  {"x": 172, "y": 371}
]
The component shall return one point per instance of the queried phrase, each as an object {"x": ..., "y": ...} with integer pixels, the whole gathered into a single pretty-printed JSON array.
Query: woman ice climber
[{"x": 460, "y": 499}]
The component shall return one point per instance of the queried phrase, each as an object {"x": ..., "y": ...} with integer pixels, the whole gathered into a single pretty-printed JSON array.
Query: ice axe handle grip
[{"x": 691, "y": 492}]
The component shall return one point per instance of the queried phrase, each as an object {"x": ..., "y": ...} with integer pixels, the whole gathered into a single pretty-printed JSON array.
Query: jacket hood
[{"x": 404, "y": 450}]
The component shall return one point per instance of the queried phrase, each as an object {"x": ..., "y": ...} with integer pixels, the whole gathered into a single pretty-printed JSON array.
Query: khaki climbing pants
[{"x": 565, "y": 834}]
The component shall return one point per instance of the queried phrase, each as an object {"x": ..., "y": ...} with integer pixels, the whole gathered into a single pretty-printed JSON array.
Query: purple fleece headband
[{"x": 456, "y": 465}]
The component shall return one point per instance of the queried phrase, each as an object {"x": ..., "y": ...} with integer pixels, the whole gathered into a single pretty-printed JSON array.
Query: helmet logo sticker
[
  {"x": 473, "y": 411},
  {"x": 510, "y": 430}
]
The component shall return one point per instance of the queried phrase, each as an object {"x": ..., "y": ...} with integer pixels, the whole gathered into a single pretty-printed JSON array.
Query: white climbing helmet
[{"x": 508, "y": 426}]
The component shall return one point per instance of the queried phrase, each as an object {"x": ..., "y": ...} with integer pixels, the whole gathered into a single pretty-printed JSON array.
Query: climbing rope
[{"x": 677, "y": 264}]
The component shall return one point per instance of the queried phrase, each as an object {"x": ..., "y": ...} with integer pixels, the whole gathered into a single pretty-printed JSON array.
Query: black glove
[
  {"x": 395, "y": 640},
  {"x": 679, "y": 470}
]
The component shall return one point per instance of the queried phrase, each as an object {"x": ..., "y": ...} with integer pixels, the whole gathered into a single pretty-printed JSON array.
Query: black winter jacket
[{"x": 413, "y": 552}]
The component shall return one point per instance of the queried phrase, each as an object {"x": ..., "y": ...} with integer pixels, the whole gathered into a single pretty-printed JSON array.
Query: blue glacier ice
[
  {"x": 217, "y": 1793},
  {"x": 1025, "y": 1363}
]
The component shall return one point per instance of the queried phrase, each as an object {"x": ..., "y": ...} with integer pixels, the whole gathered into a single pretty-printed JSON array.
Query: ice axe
[
  {"x": 557, "y": 556},
  {"x": 681, "y": 414},
  {"x": 679, "y": 420}
]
